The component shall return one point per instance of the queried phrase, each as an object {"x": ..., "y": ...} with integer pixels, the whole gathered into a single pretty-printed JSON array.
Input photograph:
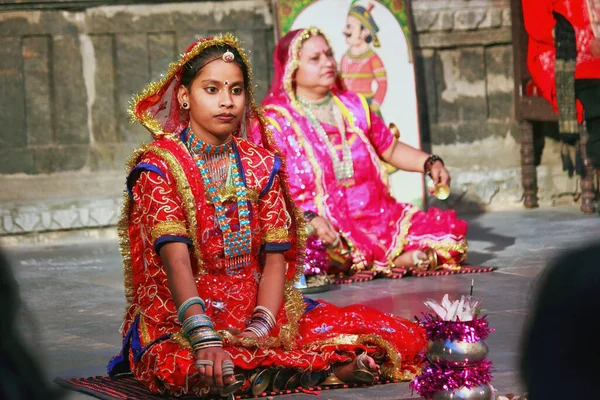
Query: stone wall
[
  {"x": 67, "y": 78},
  {"x": 68, "y": 69},
  {"x": 465, "y": 65}
]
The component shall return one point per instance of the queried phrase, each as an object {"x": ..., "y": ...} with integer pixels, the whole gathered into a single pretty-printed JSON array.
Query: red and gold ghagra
[{"x": 166, "y": 202}]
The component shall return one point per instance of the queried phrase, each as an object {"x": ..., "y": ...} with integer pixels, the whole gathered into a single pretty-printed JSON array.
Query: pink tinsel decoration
[
  {"x": 438, "y": 377},
  {"x": 467, "y": 331},
  {"x": 316, "y": 258}
]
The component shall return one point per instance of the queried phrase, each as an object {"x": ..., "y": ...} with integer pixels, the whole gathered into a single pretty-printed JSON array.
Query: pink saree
[{"x": 377, "y": 226}]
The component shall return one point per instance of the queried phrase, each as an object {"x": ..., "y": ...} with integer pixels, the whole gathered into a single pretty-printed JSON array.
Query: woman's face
[
  {"x": 318, "y": 69},
  {"x": 216, "y": 100}
]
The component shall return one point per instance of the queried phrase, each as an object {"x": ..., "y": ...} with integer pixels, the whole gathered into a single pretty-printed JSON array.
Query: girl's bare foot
[{"x": 412, "y": 259}]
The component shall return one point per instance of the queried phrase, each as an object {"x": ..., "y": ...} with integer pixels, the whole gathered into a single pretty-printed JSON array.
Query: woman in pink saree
[{"x": 334, "y": 147}]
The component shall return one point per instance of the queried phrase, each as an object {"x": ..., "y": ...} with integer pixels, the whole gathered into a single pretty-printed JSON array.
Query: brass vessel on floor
[
  {"x": 260, "y": 381},
  {"x": 234, "y": 386},
  {"x": 332, "y": 380}
]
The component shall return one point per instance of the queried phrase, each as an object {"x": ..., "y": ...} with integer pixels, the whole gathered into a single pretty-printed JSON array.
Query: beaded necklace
[{"x": 236, "y": 244}]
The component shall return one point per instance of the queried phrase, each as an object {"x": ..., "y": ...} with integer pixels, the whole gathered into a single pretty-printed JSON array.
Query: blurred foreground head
[
  {"x": 20, "y": 375},
  {"x": 560, "y": 358}
]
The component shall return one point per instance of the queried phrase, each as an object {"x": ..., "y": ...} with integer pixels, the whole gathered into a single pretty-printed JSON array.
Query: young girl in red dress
[{"x": 212, "y": 246}]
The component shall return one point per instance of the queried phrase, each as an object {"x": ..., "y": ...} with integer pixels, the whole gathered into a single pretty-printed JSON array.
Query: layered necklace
[
  {"x": 330, "y": 114},
  {"x": 219, "y": 168}
]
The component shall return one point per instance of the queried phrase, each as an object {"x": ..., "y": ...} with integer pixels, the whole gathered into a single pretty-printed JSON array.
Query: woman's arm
[
  {"x": 272, "y": 283},
  {"x": 176, "y": 260},
  {"x": 405, "y": 157}
]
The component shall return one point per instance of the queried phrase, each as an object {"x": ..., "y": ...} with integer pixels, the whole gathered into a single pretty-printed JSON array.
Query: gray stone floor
[{"x": 74, "y": 293}]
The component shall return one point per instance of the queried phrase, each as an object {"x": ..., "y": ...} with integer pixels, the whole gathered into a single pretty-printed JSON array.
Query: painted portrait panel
[{"x": 372, "y": 45}]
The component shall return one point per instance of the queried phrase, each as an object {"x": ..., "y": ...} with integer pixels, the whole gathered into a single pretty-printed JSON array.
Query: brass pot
[
  {"x": 483, "y": 392},
  {"x": 457, "y": 352}
]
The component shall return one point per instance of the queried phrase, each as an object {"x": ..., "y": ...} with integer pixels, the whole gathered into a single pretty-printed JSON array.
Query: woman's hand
[
  {"x": 439, "y": 174},
  {"x": 325, "y": 231},
  {"x": 212, "y": 375}
]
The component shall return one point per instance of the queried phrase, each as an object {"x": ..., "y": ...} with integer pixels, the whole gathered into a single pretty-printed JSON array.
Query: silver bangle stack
[
  {"x": 199, "y": 328},
  {"x": 263, "y": 321},
  {"x": 227, "y": 367}
]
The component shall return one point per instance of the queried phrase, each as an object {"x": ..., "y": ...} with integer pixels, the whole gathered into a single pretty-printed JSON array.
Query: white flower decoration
[{"x": 463, "y": 310}]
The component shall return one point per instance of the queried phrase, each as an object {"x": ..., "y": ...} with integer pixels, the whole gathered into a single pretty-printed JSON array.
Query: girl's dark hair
[{"x": 193, "y": 67}]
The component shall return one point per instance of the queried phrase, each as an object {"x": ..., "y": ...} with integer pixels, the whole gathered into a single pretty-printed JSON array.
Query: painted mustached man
[{"x": 361, "y": 68}]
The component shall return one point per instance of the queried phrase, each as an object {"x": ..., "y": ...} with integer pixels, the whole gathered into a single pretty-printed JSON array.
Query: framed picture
[{"x": 372, "y": 42}]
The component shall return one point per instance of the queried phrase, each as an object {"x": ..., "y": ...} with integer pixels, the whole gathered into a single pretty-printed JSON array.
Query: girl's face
[
  {"x": 317, "y": 69},
  {"x": 216, "y": 100}
]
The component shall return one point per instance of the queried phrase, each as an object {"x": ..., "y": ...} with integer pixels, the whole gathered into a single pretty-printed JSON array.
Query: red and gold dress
[
  {"x": 539, "y": 23},
  {"x": 166, "y": 202}
]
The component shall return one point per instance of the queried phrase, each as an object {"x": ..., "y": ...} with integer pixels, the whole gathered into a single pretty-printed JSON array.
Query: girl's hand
[{"x": 248, "y": 334}]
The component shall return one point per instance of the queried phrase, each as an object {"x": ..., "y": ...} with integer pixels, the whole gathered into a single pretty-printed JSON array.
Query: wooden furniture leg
[
  {"x": 528, "y": 171},
  {"x": 588, "y": 191}
]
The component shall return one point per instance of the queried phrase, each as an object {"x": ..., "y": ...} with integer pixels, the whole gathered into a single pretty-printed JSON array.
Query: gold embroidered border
[
  {"x": 168, "y": 228},
  {"x": 144, "y": 332},
  {"x": 279, "y": 235},
  {"x": 123, "y": 231},
  {"x": 187, "y": 197},
  {"x": 393, "y": 371},
  {"x": 402, "y": 233},
  {"x": 179, "y": 338}
]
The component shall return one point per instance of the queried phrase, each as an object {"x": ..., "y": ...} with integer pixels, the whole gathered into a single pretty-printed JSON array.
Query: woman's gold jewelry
[{"x": 331, "y": 114}]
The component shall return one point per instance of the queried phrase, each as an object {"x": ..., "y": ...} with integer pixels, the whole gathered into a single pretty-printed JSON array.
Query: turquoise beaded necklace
[{"x": 237, "y": 244}]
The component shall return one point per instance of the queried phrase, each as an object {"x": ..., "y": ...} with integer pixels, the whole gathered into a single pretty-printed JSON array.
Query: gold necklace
[{"x": 344, "y": 167}]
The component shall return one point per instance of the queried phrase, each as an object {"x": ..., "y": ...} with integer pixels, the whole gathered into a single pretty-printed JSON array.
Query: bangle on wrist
[
  {"x": 432, "y": 159},
  {"x": 309, "y": 216}
]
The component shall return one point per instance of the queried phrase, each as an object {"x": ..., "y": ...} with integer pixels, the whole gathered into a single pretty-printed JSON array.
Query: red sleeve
[
  {"x": 275, "y": 220},
  {"x": 539, "y": 21},
  {"x": 158, "y": 209}
]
